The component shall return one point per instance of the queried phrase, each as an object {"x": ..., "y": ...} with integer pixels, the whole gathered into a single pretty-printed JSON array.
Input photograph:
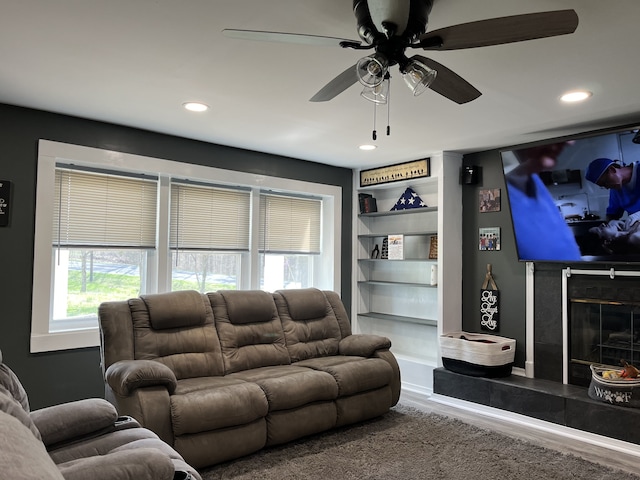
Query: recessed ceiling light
[
  {"x": 367, "y": 147},
  {"x": 196, "y": 107},
  {"x": 576, "y": 96}
]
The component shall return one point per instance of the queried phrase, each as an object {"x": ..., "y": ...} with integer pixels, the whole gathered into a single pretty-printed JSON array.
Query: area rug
[{"x": 408, "y": 444}]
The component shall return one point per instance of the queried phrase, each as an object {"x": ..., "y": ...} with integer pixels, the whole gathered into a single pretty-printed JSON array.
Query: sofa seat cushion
[
  {"x": 352, "y": 374},
  {"x": 288, "y": 386},
  {"x": 210, "y": 403}
]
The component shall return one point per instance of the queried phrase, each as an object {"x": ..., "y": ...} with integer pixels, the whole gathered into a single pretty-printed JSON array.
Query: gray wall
[
  {"x": 55, "y": 377},
  {"x": 508, "y": 272}
]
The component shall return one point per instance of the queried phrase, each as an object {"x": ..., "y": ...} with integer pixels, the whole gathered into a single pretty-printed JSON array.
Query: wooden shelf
[
  {"x": 399, "y": 212},
  {"x": 401, "y": 288},
  {"x": 399, "y": 318},
  {"x": 432, "y": 260},
  {"x": 411, "y": 234},
  {"x": 393, "y": 284},
  {"x": 402, "y": 184}
]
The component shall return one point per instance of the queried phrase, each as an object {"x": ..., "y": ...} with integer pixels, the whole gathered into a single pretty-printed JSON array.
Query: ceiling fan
[{"x": 390, "y": 27}]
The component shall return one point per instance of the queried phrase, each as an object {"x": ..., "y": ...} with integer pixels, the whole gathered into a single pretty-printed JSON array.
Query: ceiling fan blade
[
  {"x": 282, "y": 37},
  {"x": 497, "y": 31},
  {"x": 336, "y": 86},
  {"x": 448, "y": 83}
]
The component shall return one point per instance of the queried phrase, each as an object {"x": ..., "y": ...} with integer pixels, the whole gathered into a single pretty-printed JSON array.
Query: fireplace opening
[{"x": 602, "y": 331}]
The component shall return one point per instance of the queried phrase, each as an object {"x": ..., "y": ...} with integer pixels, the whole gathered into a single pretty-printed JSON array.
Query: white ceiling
[{"x": 134, "y": 62}]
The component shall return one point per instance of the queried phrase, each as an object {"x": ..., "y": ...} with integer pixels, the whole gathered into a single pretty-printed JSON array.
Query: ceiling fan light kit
[
  {"x": 372, "y": 69},
  {"x": 418, "y": 77},
  {"x": 390, "y": 27},
  {"x": 378, "y": 94}
]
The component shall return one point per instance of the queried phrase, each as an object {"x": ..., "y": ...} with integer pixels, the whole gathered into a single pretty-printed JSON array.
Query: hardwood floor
[{"x": 622, "y": 455}]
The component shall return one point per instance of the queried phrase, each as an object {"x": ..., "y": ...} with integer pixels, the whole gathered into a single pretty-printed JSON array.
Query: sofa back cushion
[
  {"x": 22, "y": 455},
  {"x": 310, "y": 325},
  {"x": 249, "y": 329},
  {"x": 339, "y": 311},
  {"x": 181, "y": 309},
  {"x": 11, "y": 383},
  {"x": 177, "y": 329},
  {"x": 12, "y": 407},
  {"x": 14, "y": 399}
]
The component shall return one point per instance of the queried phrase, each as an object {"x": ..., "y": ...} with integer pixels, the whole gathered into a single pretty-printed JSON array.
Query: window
[
  {"x": 112, "y": 226},
  {"x": 290, "y": 233},
  {"x": 103, "y": 226},
  {"x": 210, "y": 228}
]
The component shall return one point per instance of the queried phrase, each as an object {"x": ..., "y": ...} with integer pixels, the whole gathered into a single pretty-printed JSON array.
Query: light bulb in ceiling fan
[
  {"x": 372, "y": 69},
  {"x": 378, "y": 94},
  {"x": 418, "y": 76}
]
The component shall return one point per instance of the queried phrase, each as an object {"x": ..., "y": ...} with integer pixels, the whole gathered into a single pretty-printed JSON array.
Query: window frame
[{"x": 50, "y": 153}]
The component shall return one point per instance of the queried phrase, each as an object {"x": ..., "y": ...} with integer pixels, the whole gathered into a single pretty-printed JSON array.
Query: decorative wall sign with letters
[
  {"x": 396, "y": 173},
  {"x": 489, "y": 303},
  {"x": 5, "y": 197}
]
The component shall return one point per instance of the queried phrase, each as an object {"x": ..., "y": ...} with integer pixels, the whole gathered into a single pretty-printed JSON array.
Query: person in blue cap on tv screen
[{"x": 623, "y": 183}]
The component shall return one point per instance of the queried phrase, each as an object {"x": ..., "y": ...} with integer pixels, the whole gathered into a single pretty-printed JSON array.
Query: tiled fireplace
[
  {"x": 584, "y": 316},
  {"x": 603, "y": 319}
]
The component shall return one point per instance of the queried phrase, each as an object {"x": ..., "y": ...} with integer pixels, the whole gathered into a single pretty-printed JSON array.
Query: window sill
[{"x": 49, "y": 342}]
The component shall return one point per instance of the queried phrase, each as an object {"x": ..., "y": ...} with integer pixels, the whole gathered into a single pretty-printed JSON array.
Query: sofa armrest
[
  {"x": 126, "y": 375},
  {"x": 363, "y": 345},
  {"x": 73, "y": 420},
  {"x": 139, "y": 463}
]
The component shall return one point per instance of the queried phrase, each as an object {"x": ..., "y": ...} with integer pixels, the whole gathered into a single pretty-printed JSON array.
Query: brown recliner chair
[{"x": 78, "y": 440}]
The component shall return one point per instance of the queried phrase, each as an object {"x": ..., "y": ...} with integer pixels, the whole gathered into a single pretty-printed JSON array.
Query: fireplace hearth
[{"x": 546, "y": 392}]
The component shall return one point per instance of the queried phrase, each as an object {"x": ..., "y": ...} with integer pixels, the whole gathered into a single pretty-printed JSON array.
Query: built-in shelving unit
[{"x": 402, "y": 299}]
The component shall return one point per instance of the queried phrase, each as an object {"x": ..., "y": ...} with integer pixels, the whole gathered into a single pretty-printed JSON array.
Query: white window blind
[
  {"x": 103, "y": 210},
  {"x": 289, "y": 224},
  {"x": 209, "y": 218}
]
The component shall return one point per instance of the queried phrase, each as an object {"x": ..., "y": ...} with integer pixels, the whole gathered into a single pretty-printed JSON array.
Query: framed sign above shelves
[{"x": 395, "y": 173}]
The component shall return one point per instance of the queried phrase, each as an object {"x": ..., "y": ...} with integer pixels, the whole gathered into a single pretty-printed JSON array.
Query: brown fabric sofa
[
  {"x": 78, "y": 440},
  {"x": 224, "y": 374}
]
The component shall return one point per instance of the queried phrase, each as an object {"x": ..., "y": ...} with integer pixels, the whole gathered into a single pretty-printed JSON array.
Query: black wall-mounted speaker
[{"x": 469, "y": 175}]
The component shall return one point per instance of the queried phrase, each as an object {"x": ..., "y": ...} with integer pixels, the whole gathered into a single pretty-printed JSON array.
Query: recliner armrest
[
  {"x": 73, "y": 420},
  {"x": 126, "y": 375},
  {"x": 363, "y": 345}
]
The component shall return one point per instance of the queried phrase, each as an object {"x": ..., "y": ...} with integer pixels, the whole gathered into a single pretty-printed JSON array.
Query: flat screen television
[{"x": 576, "y": 200}]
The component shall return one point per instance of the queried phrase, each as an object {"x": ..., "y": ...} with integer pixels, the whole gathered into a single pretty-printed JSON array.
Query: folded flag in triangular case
[{"x": 409, "y": 199}]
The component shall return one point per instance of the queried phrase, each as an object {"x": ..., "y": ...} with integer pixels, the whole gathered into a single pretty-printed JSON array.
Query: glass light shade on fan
[
  {"x": 372, "y": 69},
  {"x": 378, "y": 94},
  {"x": 418, "y": 77}
]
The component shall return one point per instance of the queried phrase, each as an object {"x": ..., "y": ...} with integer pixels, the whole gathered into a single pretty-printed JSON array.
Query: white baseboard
[{"x": 416, "y": 377}]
